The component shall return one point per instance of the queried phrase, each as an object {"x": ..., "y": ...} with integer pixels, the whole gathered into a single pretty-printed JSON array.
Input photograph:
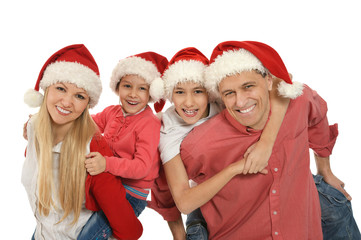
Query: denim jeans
[
  {"x": 96, "y": 228},
  {"x": 196, "y": 226},
  {"x": 336, "y": 213},
  {"x": 137, "y": 204}
]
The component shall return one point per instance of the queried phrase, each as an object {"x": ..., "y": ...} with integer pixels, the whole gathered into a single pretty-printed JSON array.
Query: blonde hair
[{"x": 72, "y": 172}]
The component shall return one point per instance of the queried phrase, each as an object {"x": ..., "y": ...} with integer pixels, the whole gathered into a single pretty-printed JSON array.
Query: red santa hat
[
  {"x": 187, "y": 65},
  {"x": 72, "y": 64},
  {"x": 148, "y": 65},
  {"x": 234, "y": 57}
]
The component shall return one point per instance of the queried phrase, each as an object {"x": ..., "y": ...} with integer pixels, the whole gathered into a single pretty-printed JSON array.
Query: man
[{"x": 283, "y": 204}]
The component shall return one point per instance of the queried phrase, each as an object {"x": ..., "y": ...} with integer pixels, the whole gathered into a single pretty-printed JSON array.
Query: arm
[
  {"x": 324, "y": 169},
  {"x": 177, "y": 229},
  {"x": 258, "y": 154},
  {"x": 188, "y": 199}
]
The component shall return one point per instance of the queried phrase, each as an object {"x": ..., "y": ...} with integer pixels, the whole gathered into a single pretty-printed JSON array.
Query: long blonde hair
[{"x": 72, "y": 172}]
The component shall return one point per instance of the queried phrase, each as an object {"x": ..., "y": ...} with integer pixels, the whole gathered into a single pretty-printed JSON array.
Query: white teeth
[
  {"x": 63, "y": 110},
  {"x": 248, "y": 109},
  {"x": 132, "y": 103},
  {"x": 190, "y": 111}
]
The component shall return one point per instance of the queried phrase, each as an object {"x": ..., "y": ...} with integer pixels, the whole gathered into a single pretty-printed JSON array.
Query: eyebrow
[{"x": 244, "y": 84}]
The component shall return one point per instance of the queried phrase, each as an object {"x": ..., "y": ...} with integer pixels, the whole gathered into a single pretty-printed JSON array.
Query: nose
[
  {"x": 241, "y": 100},
  {"x": 67, "y": 100},
  {"x": 133, "y": 92},
  {"x": 189, "y": 101}
]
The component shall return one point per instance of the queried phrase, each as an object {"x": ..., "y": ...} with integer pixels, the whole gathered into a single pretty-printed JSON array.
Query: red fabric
[
  {"x": 134, "y": 142},
  {"x": 73, "y": 53},
  {"x": 266, "y": 54},
  {"x": 105, "y": 192},
  {"x": 162, "y": 200},
  {"x": 284, "y": 203}
]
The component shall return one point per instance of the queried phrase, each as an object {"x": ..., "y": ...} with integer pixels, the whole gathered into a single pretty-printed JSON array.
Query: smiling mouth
[
  {"x": 63, "y": 110},
  {"x": 247, "y": 110},
  {"x": 190, "y": 113},
  {"x": 133, "y": 103}
]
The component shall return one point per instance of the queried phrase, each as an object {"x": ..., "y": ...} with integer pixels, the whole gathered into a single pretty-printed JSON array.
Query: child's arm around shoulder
[{"x": 258, "y": 154}]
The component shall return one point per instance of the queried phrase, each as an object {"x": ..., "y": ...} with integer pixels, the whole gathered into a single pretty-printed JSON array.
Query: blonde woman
[{"x": 60, "y": 135}]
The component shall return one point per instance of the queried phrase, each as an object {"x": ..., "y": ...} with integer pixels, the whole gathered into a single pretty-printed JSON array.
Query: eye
[
  {"x": 143, "y": 88},
  {"x": 60, "y": 89},
  {"x": 127, "y": 86},
  {"x": 227, "y": 94},
  {"x": 179, "y": 92},
  {"x": 248, "y": 86},
  {"x": 199, "y": 91},
  {"x": 80, "y": 96}
]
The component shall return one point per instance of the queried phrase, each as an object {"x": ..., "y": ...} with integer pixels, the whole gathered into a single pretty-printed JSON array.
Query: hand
[
  {"x": 331, "y": 179},
  {"x": 25, "y": 128},
  {"x": 238, "y": 167},
  {"x": 95, "y": 163},
  {"x": 257, "y": 157}
]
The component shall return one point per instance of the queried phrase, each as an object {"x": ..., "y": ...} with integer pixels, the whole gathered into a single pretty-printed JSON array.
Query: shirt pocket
[{"x": 297, "y": 153}]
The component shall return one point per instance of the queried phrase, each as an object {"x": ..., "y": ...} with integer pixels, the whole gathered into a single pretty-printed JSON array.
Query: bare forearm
[
  {"x": 188, "y": 199},
  {"x": 177, "y": 229}
]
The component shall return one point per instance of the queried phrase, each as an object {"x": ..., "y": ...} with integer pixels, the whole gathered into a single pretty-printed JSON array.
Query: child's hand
[
  {"x": 257, "y": 157},
  {"x": 25, "y": 128},
  {"x": 95, "y": 163}
]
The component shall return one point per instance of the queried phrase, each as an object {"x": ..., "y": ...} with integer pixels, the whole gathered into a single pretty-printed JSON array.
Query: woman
[{"x": 59, "y": 137}]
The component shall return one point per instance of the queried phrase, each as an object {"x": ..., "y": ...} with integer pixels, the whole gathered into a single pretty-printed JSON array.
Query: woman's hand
[{"x": 257, "y": 157}]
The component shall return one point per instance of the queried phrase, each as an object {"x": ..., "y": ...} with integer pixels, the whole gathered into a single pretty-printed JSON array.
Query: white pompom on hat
[
  {"x": 187, "y": 65},
  {"x": 148, "y": 65},
  {"x": 72, "y": 64},
  {"x": 234, "y": 57}
]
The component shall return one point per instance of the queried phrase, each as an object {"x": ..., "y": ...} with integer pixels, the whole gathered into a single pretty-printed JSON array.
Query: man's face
[{"x": 246, "y": 97}]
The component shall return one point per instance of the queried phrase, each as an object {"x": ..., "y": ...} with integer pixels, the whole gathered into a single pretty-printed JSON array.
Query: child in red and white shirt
[{"x": 131, "y": 129}]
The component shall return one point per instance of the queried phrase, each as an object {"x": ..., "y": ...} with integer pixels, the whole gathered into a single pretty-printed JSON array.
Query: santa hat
[
  {"x": 234, "y": 57},
  {"x": 72, "y": 64},
  {"x": 148, "y": 65},
  {"x": 187, "y": 65}
]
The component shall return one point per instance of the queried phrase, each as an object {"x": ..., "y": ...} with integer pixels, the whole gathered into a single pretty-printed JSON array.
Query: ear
[{"x": 269, "y": 81}]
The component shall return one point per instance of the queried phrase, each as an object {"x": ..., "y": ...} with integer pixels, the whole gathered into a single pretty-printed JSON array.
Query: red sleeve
[
  {"x": 162, "y": 200},
  {"x": 322, "y": 136}
]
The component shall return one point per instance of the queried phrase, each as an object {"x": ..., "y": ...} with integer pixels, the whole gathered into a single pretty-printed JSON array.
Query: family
[{"x": 232, "y": 152}]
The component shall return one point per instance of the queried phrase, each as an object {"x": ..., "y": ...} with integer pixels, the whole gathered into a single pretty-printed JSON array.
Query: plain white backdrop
[{"x": 319, "y": 42}]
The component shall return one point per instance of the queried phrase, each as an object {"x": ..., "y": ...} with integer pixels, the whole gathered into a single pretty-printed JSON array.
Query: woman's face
[
  {"x": 133, "y": 93},
  {"x": 191, "y": 101},
  {"x": 65, "y": 103}
]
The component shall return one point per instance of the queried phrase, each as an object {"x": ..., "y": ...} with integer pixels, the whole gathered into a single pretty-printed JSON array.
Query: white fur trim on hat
[
  {"x": 133, "y": 65},
  {"x": 183, "y": 71},
  {"x": 156, "y": 89},
  {"x": 33, "y": 98},
  {"x": 76, "y": 73},
  {"x": 229, "y": 63},
  {"x": 292, "y": 91}
]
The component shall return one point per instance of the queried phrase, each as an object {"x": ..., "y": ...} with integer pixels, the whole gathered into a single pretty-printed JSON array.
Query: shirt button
[
  {"x": 275, "y": 213},
  {"x": 276, "y": 233},
  {"x": 274, "y": 191},
  {"x": 275, "y": 169}
]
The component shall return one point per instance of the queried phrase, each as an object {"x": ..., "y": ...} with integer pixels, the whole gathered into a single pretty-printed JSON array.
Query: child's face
[
  {"x": 190, "y": 101},
  {"x": 133, "y": 93},
  {"x": 65, "y": 103}
]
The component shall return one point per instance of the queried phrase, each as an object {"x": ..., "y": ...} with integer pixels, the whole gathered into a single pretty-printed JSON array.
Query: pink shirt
[
  {"x": 284, "y": 203},
  {"x": 134, "y": 141}
]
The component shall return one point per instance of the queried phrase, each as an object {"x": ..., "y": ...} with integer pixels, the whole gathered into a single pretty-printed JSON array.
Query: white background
[{"x": 319, "y": 42}]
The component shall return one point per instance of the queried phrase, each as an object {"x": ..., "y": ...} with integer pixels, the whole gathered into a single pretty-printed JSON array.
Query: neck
[{"x": 59, "y": 132}]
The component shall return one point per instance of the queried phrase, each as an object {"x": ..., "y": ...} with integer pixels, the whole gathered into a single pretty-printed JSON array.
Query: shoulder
[{"x": 207, "y": 131}]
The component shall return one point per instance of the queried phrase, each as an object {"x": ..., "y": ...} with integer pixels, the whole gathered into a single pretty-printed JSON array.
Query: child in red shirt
[{"x": 131, "y": 129}]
